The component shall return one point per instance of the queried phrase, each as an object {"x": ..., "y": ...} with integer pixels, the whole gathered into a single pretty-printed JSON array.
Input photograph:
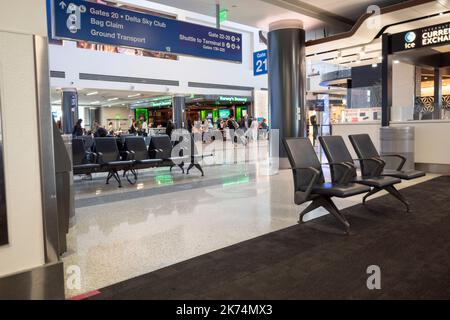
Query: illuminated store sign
[
  {"x": 233, "y": 99},
  {"x": 157, "y": 102},
  {"x": 419, "y": 38}
]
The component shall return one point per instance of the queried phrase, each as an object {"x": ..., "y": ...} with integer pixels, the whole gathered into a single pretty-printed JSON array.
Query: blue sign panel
[
  {"x": 92, "y": 22},
  {"x": 260, "y": 63}
]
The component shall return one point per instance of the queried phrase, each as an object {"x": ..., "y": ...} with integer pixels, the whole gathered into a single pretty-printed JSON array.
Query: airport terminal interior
[{"x": 224, "y": 150}]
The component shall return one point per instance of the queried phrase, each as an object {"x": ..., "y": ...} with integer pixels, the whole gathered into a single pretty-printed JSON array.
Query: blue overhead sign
[
  {"x": 98, "y": 23},
  {"x": 260, "y": 63}
]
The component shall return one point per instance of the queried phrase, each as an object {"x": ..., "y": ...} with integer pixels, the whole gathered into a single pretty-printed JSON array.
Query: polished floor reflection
[{"x": 168, "y": 217}]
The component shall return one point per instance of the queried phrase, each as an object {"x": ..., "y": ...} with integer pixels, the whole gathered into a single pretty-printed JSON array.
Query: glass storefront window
[{"x": 425, "y": 105}]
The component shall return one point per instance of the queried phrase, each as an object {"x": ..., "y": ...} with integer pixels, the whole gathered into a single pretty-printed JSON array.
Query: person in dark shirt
[
  {"x": 101, "y": 133},
  {"x": 169, "y": 128},
  {"x": 133, "y": 129},
  {"x": 77, "y": 129}
]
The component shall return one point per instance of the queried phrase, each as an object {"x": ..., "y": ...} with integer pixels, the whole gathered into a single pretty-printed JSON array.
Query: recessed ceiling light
[
  {"x": 95, "y": 102},
  {"x": 113, "y": 99},
  {"x": 374, "y": 65},
  {"x": 92, "y": 93},
  {"x": 134, "y": 95},
  {"x": 396, "y": 61}
]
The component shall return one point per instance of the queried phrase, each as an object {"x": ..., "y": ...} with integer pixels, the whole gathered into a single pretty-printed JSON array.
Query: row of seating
[
  {"x": 309, "y": 181},
  {"x": 105, "y": 156}
]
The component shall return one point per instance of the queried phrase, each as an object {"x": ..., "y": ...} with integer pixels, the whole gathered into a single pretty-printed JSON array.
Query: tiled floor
[{"x": 122, "y": 233}]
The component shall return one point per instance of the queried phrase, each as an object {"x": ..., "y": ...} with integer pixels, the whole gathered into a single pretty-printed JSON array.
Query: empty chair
[
  {"x": 161, "y": 148},
  {"x": 137, "y": 147},
  {"x": 309, "y": 182},
  {"x": 110, "y": 160},
  {"x": 83, "y": 161},
  {"x": 364, "y": 148},
  {"x": 336, "y": 152}
]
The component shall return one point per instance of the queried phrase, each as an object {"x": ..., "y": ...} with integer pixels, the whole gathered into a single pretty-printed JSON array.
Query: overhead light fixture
[
  {"x": 113, "y": 99},
  {"x": 396, "y": 61},
  {"x": 374, "y": 65},
  {"x": 134, "y": 95},
  {"x": 95, "y": 102},
  {"x": 92, "y": 93}
]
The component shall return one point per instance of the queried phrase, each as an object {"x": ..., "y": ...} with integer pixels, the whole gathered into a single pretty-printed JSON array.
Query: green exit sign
[{"x": 223, "y": 15}]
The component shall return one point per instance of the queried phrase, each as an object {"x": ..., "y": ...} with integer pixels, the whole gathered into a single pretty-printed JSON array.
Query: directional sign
[
  {"x": 97, "y": 23},
  {"x": 260, "y": 63}
]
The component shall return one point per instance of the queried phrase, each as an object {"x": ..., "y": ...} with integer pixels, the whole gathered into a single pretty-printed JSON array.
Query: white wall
[
  {"x": 403, "y": 86},
  {"x": 73, "y": 61},
  {"x": 371, "y": 128},
  {"x": 21, "y": 154},
  {"x": 432, "y": 143},
  {"x": 111, "y": 114}
]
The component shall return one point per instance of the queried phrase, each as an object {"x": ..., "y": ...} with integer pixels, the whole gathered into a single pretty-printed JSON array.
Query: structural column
[
  {"x": 437, "y": 93},
  {"x": 386, "y": 81},
  {"x": 287, "y": 81},
  {"x": 179, "y": 115},
  {"x": 69, "y": 109}
]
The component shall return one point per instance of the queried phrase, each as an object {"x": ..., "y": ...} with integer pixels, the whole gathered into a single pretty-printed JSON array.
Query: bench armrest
[
  {"x": 350, "y": 169},
  {"x": 100, "y": 157},
  {"x": 379, "y": 168},
  {"x": 402, "y": 162},
  {"x": 313, "y": 181}
]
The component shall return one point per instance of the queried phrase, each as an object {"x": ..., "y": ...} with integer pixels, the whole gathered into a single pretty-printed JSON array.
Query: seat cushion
[
  {"x": 340, "y": 191},
  {"x": 405, "y": 175},
  {"x": 179, "y": 159},
  {"x": 148, "y": 161},
  {"x": 85, "y": 168},
  {"x": 378, "y": 182},
  {"x": 119, "y": 163}
]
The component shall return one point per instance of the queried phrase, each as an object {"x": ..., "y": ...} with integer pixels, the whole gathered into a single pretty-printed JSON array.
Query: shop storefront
[
  {"x": 212, "y": 107},
  {"x": 155, "y": 111}
]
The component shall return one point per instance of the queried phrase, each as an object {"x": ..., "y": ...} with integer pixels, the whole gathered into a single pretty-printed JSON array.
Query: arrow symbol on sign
[{"x": 63, "y": 5}]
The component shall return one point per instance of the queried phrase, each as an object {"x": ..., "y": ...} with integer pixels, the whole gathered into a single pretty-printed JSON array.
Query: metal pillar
[
  {"x": 179, "y": 114},
  {"x": 287, "y": 81},
  {"x": 386, "y": 80},
  {"x": 437, "y": 93},
  {"x": 69, "y": 109}
]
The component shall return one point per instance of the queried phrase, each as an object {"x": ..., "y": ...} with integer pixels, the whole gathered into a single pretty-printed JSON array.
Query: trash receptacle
[{"x": 398, "y": 140}]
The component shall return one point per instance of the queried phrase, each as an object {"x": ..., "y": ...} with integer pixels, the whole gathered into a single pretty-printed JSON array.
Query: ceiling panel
[{"x": 95, "y": 97}]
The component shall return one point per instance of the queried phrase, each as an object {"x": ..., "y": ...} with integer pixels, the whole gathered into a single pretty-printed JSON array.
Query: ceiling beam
[{"x": 313, "y": 12}]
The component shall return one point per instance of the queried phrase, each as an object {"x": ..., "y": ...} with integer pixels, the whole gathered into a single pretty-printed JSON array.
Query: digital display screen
[{"x": 224, "y": 113}]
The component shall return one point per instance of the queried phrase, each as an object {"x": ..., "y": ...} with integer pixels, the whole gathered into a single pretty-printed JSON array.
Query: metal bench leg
[
  {"x": 110, "y": 174},
  {"x": 116, "y": 176},
  {"x": 331, "y": 207},
  {"x": 327, "y": 204},
  {"x": 199, "y": 167},
  {"x": 394, "y": 192},
  {"x": 371, "y": 193},
  {"x": 316, "y": 203}
]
